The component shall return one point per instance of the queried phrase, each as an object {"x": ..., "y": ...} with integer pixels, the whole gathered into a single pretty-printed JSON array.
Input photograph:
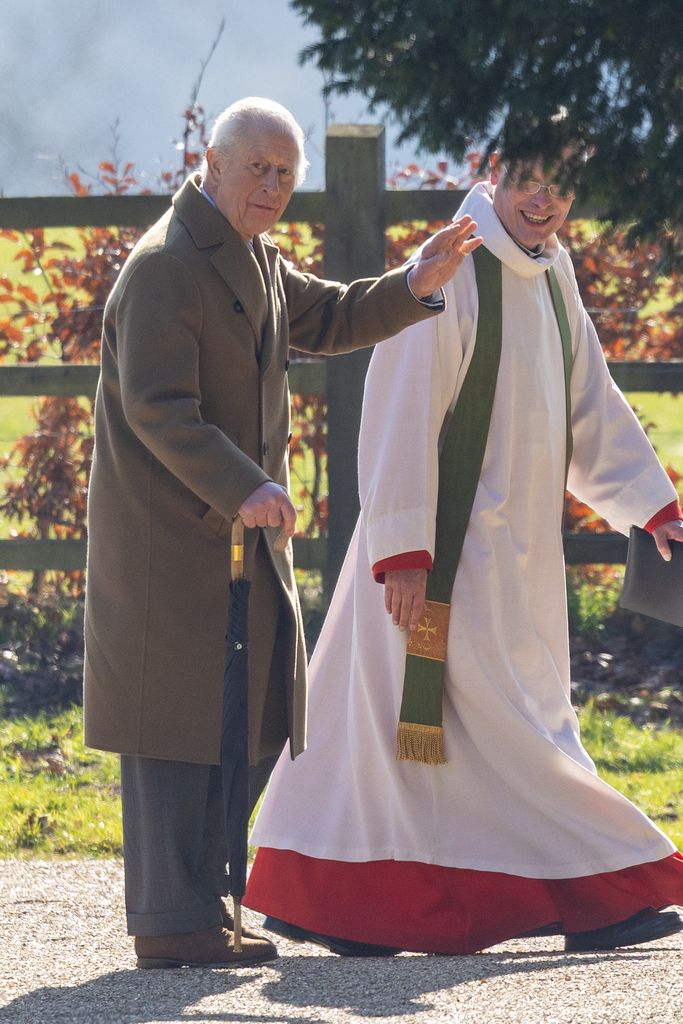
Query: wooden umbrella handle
[
  {"x": 237, "y": 924},
  {"x": 281, "y": 541},
  {"x": 237, "y": 549}
]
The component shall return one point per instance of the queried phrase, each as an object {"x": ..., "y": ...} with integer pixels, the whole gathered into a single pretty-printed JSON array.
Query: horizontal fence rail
[
  {"x": 71, "y": 380},
  {"x": 25, "y": 212},
  {"x": 310, "y": 553},
  {"x": 27, "y": 554},
  {"x": 355, "y": 209}
]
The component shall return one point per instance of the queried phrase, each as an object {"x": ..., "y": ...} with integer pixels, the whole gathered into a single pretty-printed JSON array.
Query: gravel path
[{"x": 64, "y": 957}]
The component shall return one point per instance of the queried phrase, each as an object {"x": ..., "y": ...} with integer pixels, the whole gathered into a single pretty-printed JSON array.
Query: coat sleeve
[
  {"x": 327, "y": 317},
  {"x": 158, "y": 325},
  {"x": 410, "y": 385},
  {"x": 614, "y": 468}
]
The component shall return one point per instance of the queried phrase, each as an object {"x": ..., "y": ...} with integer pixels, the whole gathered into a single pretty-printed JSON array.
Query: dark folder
[{"x": 651, "y": 585}]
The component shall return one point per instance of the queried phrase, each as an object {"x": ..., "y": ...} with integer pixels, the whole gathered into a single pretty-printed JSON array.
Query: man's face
[
  {"x": 530, "y": 219},
  {"x": 252, "y": 184}
]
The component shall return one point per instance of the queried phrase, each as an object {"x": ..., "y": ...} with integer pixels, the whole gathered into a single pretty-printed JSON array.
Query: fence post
[{"x": 354, "y": 247}]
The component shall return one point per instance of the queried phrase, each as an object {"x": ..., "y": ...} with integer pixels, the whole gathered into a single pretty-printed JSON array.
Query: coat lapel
[
  {"x": 236, "y": 264},
  {"x": 266, "y": 255}
]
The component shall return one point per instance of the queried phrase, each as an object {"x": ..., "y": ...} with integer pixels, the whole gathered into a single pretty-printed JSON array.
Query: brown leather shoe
[{"x": 211, "y": 947}]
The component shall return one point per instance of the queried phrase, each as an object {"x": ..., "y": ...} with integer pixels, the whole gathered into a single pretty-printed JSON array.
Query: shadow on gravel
[
  {"x": 401, "y": 986},
  {"x": 368, "y": 987}
]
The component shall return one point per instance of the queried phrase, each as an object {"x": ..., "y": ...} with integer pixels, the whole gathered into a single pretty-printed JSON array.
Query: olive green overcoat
[{"x": 192, "y": 415}]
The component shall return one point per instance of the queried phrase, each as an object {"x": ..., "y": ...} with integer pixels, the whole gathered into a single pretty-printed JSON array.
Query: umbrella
[
  {"x": 235, "y": 729},
  {"x": 235, "y": 725}
]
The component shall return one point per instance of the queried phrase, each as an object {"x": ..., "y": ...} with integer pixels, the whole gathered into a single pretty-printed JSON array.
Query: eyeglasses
[{"x": 531, "y": 188}]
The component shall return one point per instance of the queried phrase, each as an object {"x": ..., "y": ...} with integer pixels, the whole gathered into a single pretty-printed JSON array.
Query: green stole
[{"x": 420, "y": 728}]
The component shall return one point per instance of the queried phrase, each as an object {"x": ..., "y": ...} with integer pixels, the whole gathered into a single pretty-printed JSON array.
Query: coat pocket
[{"x": 217, "y": 523}]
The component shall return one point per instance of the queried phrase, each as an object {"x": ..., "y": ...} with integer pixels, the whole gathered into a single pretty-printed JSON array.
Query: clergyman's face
[
  {"x": 252, "y": 183},
  {"x": 530, "y": 219}
]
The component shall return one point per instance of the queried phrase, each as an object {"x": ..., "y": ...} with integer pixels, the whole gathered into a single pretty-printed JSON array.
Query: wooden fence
[{"x": 356, "y": 209}]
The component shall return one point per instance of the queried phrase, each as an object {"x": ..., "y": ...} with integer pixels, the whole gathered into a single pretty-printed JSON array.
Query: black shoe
[
  {"x": 342, "y": 947},
  {"x": 645, "y": 926}
]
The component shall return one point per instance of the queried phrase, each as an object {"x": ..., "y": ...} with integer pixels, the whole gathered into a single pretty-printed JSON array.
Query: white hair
[{"x": 249, "y": 116}]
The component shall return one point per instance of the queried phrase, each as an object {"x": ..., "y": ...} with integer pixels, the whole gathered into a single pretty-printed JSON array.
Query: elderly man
[
  {"x": 493, "y": 822},
  {"x": 192, "y": 425}
]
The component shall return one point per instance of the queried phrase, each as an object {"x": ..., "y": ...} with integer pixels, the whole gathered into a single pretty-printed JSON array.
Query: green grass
[
  {"x": 622, "y": 748},
  {"x": 16, "y": 419},
  {"x": 665, "y": 414},
  {"x": 58, "y": 798},
  {"x": 646, "y": 765}
]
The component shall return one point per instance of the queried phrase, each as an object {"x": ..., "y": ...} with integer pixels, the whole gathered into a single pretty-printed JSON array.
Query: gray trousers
[{"x": 174, "y": 849}]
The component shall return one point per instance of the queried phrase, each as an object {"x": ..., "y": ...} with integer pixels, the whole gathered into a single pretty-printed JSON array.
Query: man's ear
[{"x": 213, "y": 163}]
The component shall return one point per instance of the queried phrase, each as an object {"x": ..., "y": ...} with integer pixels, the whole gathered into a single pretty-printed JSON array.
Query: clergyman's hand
[
  {"x": 404, "y": 596},
  {"x": 442, "y": 255},
  {"x": 666, "y": 532},
  {"x": 269, "y": 505}
]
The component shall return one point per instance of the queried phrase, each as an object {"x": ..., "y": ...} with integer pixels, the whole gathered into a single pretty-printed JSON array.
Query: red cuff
[
  {"x": 665, "y": 515},
  {"x": 407, "y": 560}
]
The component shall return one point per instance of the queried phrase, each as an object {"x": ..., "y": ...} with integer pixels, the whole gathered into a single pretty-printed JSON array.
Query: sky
[{"x": 72, "y": 71}]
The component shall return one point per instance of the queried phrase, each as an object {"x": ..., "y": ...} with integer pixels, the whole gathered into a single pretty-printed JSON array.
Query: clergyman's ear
[{"x": 494, "y": 164}]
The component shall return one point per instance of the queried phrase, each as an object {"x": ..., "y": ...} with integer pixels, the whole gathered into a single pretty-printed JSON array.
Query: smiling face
[
  {"x": 530, "y": 219},
  {"x": 252, "y": 183}
]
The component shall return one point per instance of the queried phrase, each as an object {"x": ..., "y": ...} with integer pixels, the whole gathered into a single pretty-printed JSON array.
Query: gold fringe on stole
[{"x": 415, "y": 742}]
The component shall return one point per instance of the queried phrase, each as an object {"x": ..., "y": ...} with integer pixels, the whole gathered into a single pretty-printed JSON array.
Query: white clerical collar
[
  {"x": 534, "y": 253},
  {"x": 479, "y": 204}
]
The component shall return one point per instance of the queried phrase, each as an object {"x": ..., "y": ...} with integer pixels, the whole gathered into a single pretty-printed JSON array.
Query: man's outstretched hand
[{"x": 442, "y": 255}]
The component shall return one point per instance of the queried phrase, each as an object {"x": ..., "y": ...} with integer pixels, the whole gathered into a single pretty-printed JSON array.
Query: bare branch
[{"x": 194, "y": 94}]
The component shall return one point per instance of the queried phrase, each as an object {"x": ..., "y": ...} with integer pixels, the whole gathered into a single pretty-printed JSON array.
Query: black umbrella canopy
[{"x": 235, "y": 727}]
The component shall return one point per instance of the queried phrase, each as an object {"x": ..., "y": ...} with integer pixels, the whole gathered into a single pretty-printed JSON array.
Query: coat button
[
  {"x": 289, "y": 439},
  {"x": 266, "y": 447},
  {"x": 286, "y": 365},
  {"x": 238, "y": 307}
]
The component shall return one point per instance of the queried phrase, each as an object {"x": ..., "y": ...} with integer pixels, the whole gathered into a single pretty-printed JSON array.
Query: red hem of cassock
[{"x": 432, "y": 909}]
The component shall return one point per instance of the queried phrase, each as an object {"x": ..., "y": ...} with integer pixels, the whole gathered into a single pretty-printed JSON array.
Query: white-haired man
[
  {"x": 493, "y": 823},
  {"x": 192, "y": 425}
]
